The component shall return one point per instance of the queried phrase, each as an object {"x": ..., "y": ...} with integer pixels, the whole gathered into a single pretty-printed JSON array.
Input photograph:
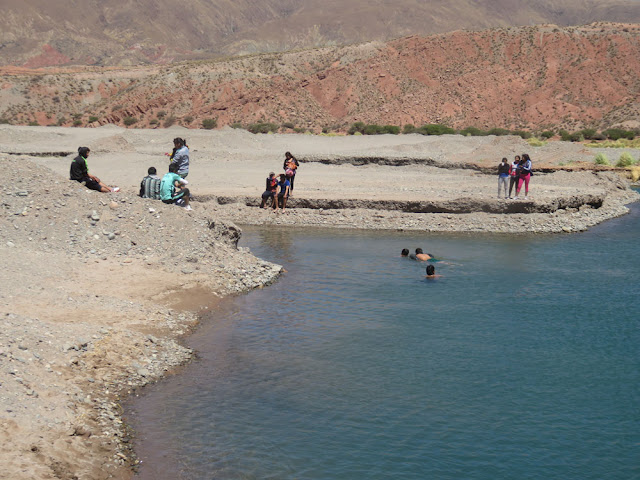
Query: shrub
[
  {"x": 588, "y": 133},
  {"x": 473, "y": 132},
  {"x": 534, "y": 142},
  {"x": 161, "y": 114},
  {"x": 263, "y": 127},
  {"x": 4, "y": 120},
  {"x": 547, "y": 134},
  {"x": 93, "y": 119},
  {"x": 188, "y": 119},
  {"x": 291, "y": 126},
  {"x": 408, "y": 128},
  {"x": 154, "y": 121},
  {"x": 435, "y": 129},
  {"x": 325, "y": 130},
  {"x": 564, "y": 136},
  {"x": 601, "y": 159},
  {"x": 499, "y": 131},
  {"x": 77, "y": 123},
  {"x": 625, "y": 160},
  {"x": 522, "y": 134},
  {"x": 209, "y": 123},
  {"x": 36, "y": 124},
  {"x": 236, "y": 125},
  {"x": 61, "y": 121},
  {"x": 129, "y": 120},
  {"x": 170, "y": 120},
  {"x": 356, "y": 127},
  {"x": 115, "y": 108},
  {"x": 599, "y": 136},
  {"x": 391, "y": 129},
  {"x": 300, "y": 130},
  {"x": 618, "y": 133},
  {"x": 635, "y": 173},
  {"x": 372, "y": 130},
  {"x": 576, "y": 137}
]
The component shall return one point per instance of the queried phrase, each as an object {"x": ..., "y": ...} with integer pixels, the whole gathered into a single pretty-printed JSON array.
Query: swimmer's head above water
[{"x": 405, "y": 252}]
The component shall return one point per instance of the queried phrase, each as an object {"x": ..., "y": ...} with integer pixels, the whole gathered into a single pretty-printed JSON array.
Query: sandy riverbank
[{"x": 97, "y": 287}]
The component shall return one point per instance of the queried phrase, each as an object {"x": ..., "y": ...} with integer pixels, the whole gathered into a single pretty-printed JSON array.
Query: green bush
[
  {"x": 4, "y": 120},
  {"x": 547, "y": 134},
  {"x": 161, "y": 114},
  {"x": 372, "y": 130},
  {"x": 588, "y": 133},
  {"x": 290, "y": 125},
  {"x": 618, "y": 133},
  {"x": 77, "y": 123},
  {"x": 473, "y": 132},
  {"x": 36, "y": 124},
  {"x": 601, "y": 159},
  {"x": 236, "y": 125},
  {"x": 435, "y": 129},
  {"x": 356, "y": 127},
  {"x": 625, "y": 160},
  {"x": 128, "y": 121},
  {"x": 170, "y": 120},
  {"x": 391, "y": 129},
  {"x": 61, "y": 121},
  {"x": 154, "y": 121},
  {"x": 522, "y": 134},
  {"x": 576, "y": 137},
  {"x": 209, "y": 123},
  {"x": 564, "y": 136},
  {"x": 263, "y": 127},
  {"x": 408, "y": 128},
  {"x": 188, "y": 119},
  {"x": 499, "y": 131},
  {"x": 93, "y": 119}
]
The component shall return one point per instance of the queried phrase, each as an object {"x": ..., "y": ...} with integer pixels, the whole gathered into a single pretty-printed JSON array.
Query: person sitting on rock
[
  {"x": 150, "y": 185},
  {"x": 283, "y": 193},
  {"x": 168, "y": 193},
  {"x": 420, "y": 255},
  {"x": 80, "y": 173},
  {"x": 270, "y": 189}
]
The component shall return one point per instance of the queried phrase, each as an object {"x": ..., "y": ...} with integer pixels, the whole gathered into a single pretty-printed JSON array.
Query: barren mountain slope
[
  {"x": 529, "y": 77},
  {"x": 112, "y": 32}
]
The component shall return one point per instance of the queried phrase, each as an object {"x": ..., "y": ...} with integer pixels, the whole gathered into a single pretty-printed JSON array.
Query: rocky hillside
[
  {"x": 528, "y": 77},
  {"x": 37, "y": 33}
]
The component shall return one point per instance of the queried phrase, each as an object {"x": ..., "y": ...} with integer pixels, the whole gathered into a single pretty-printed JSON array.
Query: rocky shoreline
[{"x": 97, "y": 290}]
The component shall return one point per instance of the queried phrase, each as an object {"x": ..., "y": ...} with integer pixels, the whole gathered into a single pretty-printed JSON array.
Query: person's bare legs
[{"x": 284, "y": 203}]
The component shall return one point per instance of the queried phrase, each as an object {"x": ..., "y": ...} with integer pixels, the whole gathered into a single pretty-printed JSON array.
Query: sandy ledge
[{"x": 98, "y": 288}]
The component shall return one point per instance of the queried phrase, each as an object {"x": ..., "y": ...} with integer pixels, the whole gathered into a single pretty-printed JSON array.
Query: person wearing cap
[
  {"x": 79, "y": 172},
  {"x": 270, "y": 189}
]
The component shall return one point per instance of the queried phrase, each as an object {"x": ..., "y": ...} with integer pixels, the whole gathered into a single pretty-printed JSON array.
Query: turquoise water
[{"x": 522, "y": 361}]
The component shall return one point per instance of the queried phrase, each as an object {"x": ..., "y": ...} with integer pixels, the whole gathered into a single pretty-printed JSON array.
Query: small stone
[
  {"x": 111, "y": 236},
  {"x": 11, "y": 244},
  {"x": 113, "y": 205},
  {"x": 152, "y": 210}
]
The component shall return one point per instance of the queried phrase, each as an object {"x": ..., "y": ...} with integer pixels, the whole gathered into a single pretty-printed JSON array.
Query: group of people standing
[
  {"x": 278, "y": 189},
  {"x": 515, "y": 173}
]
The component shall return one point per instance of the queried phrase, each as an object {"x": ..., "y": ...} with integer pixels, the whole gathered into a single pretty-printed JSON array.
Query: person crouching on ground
[
  {"x": 283, "y": 193},
  {"x": 270, "y": 189},
  {"x": 80, "y": 173},
  {"x": 420, "y": 255},
  {"x": 173, "y": 190},
  {"x": 150, "y": 185}
]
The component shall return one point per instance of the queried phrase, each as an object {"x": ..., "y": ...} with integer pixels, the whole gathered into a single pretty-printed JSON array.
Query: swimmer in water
[
  {"x": 431, "y": 272},
  {"x": 420, "y": 255},
  {"x": 405, "y": 252}
]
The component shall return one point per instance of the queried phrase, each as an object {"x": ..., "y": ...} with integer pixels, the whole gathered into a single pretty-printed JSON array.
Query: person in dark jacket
[
  {"x": 271, "y": 187},
  {"x": 290, "y": 167},
  {"x": 503, "y": 177},
  {"x": 80, "y": 173}
]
